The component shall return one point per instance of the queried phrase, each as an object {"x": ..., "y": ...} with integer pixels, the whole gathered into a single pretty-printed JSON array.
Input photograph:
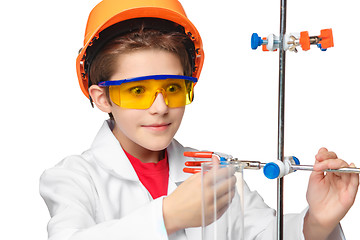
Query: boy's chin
[
  {"x": 157, "y": 145},
  {"x": 158, "y": 148}
]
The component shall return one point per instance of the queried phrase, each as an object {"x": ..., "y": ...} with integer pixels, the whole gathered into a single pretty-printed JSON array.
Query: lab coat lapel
[{"x": 109, "y": 154}]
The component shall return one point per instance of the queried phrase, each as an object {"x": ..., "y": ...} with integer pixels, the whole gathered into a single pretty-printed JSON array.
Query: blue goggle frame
[{"x": 150, "y": 77}]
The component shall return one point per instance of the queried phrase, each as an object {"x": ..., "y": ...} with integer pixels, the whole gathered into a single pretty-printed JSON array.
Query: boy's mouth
[{"x": 157, "y": 127}]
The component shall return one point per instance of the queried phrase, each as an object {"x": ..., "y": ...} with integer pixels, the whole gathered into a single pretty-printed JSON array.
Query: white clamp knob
[{"x": 278, "y": 169}]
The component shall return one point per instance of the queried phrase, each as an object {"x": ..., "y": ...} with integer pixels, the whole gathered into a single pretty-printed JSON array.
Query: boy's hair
[{"x": 104, "y": 64}]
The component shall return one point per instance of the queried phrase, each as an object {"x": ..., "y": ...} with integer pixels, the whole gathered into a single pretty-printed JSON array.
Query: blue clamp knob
[
  {"x": 296, "y": 160},
  {"x": 271, "y": 170},
  {"x": 256, "y": 41},
  {"x": 223, "y": 161},
  {"x": 322, "y": 49}
]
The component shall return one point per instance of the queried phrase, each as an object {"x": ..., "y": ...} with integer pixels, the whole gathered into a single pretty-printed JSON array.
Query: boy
[{"x": 140, "y": 62}]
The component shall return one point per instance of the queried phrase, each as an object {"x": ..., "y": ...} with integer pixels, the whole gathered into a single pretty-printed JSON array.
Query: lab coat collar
[
  {"x": 177, "y": 161},
  {"x": 109, "y": 154}
]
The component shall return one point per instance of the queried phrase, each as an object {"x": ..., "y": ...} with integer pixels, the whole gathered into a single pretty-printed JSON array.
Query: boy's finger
[
  {"x": 225, "y": 187},
  {"x": 221, "y": 189},
  {"x": 224, "y": 203},
  {"x": 324, "y": 154},
  {"x": 330, "y": 164},
  {"x": 316, "y": 175},
  {"x": 215, "y": 160},
  {"x": 225, "y": 199},
  {"x": 219, "y": 173},
  {"x": 354, "y": 182}
]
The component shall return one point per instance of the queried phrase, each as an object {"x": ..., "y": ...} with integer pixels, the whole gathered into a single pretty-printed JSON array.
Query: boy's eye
[
  {"x": 173, "y": 88},
  {"x": 137, "y": 90}
]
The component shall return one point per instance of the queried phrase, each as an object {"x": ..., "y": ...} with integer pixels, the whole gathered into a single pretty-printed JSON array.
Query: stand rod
[{"x": 281, "y": 113}]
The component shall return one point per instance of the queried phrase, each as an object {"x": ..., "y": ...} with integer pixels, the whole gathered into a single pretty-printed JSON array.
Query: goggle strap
[
  {"x": 91, "y": 101},
  {"x": 87, "y": 71}
]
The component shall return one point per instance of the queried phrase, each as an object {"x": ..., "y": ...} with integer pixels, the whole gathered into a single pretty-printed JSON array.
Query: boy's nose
[{"x": 159, "y": 105}]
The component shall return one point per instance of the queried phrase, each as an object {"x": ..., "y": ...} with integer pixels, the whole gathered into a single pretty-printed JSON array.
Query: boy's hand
[
  {"x": 330, "y": 195},
  {"x": 183, "y": 208}
]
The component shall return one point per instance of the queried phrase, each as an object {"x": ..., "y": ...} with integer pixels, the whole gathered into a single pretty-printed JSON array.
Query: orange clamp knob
[
  {"x": 264, "y": 48},
  {"x": 305, "y": 41},
  {"x": 195, "y": 163},
  {"x": 198, "y": 154},
  {"x": 191, "y": 170},
  {"x": 326, "y": 38}
]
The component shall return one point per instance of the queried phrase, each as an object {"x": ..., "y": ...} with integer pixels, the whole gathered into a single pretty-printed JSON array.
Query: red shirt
[{"x": 154, "y": 176}]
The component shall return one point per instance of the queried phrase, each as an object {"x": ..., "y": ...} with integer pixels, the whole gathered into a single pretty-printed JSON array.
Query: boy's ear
[{"x": 100, "y": 99}]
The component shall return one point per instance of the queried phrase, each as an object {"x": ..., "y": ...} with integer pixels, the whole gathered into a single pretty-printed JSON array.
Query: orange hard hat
[{"x": 110, "y": 12}]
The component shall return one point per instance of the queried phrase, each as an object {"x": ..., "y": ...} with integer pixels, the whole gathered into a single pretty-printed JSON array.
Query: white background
[{"x": 45, "y": 117}]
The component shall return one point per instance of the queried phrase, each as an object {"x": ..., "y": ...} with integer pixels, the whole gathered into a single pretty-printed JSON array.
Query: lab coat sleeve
[
  {"x": 72, "y": 203},
  {"x": 260, "y": 221}
]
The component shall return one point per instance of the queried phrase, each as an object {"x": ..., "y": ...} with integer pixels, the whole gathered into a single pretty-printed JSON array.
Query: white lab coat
[{"x": 98, "y": 196}]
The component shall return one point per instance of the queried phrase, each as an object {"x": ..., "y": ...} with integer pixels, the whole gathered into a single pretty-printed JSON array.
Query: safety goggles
[{"x": 141, "y": 92}]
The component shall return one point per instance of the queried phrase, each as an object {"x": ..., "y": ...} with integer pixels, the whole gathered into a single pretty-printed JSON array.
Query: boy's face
[{"x": 152, "y": 128}]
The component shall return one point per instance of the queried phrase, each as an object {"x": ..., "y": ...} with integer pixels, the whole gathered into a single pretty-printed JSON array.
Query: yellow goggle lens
[{"x": 142, "y": 94}]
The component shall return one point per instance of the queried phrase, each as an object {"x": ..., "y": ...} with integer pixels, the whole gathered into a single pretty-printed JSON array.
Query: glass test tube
[{"x": 222, "y": 214}]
